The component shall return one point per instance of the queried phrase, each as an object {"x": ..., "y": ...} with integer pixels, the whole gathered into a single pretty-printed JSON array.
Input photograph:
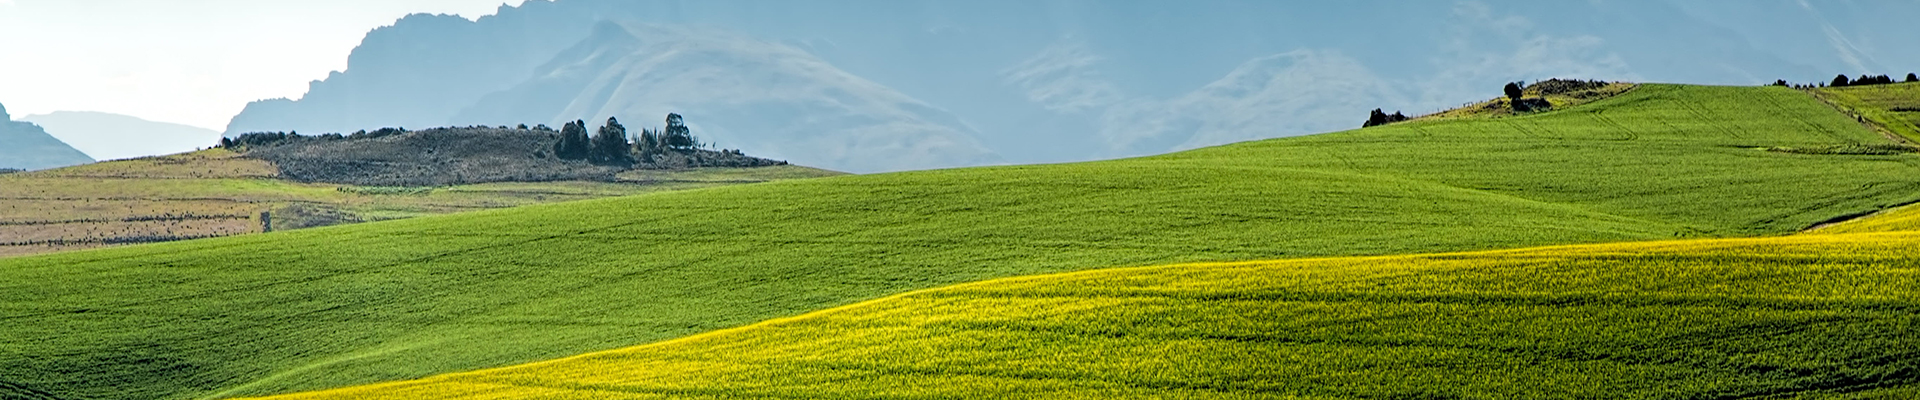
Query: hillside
[
  {"x": 105, "y": 136},
  {"x": 217, "y": 192},
  {"x": 456, "y": 156},
  {"x": 1894, "y": 108},
  {"x": 338, "y": 306},
  {"x": 1815, "y": 316},
  {"x": 26, "y": 146}
]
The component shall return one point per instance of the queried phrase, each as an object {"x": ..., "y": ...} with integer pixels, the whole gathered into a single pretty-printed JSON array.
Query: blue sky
[{"x": 1138, "y": 76}]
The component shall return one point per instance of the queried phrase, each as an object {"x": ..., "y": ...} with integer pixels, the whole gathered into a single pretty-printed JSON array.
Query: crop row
[{"x": 136, "y": 218}]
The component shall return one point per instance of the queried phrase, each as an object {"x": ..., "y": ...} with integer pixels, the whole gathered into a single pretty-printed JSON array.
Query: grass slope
[
  {"x": 1784, "y": 317},
  {"x": 337, "y": 306},
  {"x": 1894, "y": 107},
  {"x": 218, "y": 193}
]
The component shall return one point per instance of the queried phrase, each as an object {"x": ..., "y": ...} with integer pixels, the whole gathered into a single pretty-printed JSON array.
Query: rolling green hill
[
  {"x": 1892, "y": 107},
  {"x": 1815, "y": 316},
  {"x": 337, "y": 306}
]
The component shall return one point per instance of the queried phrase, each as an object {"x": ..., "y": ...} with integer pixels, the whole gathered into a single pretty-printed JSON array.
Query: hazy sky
[{"x": 194, "y": 62}]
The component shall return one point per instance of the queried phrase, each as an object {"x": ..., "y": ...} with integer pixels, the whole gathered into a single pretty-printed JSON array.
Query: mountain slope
[
  {"x": 24, "y": 145},
  {"x": 339, "y": 306},
  {"x": 1097, "y": 77},
  {"x": 1786, "y": 317},
  {"x": 106, "y": 136},
  {"x": 421, "y": 70},
  {"x": 765, "y": 98}
]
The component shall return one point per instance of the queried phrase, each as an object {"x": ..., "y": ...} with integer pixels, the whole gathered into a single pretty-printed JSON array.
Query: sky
[{"x": 192, "y": 62}]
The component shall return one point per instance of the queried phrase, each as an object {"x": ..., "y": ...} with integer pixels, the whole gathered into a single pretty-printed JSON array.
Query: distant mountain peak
[
  {"x": 108, "y": 136},
  {"x": 24, "y": 145}
]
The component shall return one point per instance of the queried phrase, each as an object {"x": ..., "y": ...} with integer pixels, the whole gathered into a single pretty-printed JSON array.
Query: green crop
[{"x": 338, "y": 306}]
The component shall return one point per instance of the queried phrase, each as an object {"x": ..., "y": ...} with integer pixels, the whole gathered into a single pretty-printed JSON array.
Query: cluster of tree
[
  {"x": 611, "y": 145},
  {"x": 1379, "y": 117},
  {"x": 675, "y": 137},
  {"x": 1515, "y": 92},
  {"x": 1843, "y": 81}
]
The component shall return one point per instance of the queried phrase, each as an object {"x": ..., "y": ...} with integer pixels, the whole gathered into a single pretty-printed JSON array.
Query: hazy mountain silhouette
[
  {"x": 24, "y": 145},
  {"x": 1059, "y": 80},
  {"x": 767, "y": 99},
  {"x": 105, "y": 136}
]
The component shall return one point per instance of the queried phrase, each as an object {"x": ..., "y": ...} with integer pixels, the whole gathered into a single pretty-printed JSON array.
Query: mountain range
[
  {"x": 871, "y": 85},
  {"x": 105, "y": 136},
  {"x": 24, "y": 145}
]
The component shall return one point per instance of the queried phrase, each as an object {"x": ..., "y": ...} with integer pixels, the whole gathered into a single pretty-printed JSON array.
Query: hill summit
[{"x": 481, "y": 154}]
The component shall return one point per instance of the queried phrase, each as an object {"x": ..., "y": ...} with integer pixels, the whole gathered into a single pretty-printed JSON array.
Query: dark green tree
[
  {"x": 1912, "y": 78},
  {"x": 610, "y": 144},
  {"x": 647, "y": 144},
  {"x": 1514, "y": 91},
  {"x": 1840, "y": 81},
  {"x": 677, "y": 136},
  {"x": 573, "y": 144}
]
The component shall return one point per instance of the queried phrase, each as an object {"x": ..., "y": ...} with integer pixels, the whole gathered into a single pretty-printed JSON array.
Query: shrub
[{"x": 1379, "y": 117}]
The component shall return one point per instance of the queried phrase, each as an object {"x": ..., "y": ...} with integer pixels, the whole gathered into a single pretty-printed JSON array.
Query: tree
[
  {"x": 646, "y": 144},
  {"x": 1780, "y": 82},
  {"x": 1380, "y": 117},
  {"x": 573, "y": 144},
  {"x": 1376, "y": 118},
  {"x": 1513, "y": 91},
  {"x": 1839, "y": 81},
  {"x": 677, "y": 137},
  {"x": 610, "y": 143},
  {"x": 1912, "y": 78}
]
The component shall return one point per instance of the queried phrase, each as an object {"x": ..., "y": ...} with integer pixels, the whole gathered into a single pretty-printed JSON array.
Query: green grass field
[
  {"x": 1816, "y": 316},
  {"x": 215, "y": 193},
  {"x": 338, "y": 306},
  {"x": 1894, "y": 107}
]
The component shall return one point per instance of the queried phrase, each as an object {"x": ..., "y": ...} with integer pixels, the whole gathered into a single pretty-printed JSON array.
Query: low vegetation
[
  {"x": 338, "y": 306},
  {"x": 1821, "y": 316}
]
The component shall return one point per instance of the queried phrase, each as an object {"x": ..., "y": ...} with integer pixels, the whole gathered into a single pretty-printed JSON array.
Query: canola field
[
  {"x": 1814, "y": 316},
  {"x": 348, "y": 305}
]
